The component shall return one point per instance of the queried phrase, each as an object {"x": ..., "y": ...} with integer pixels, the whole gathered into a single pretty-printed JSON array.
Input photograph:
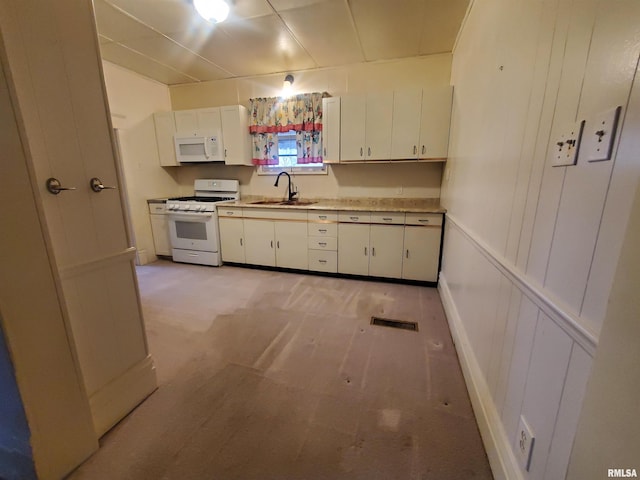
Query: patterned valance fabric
[{"x": 300, "y": 113}]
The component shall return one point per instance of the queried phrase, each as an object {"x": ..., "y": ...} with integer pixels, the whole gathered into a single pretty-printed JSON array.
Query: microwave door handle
[{"x": 207, "y": 153}]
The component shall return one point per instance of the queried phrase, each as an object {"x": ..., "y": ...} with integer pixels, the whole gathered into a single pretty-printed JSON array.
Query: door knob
[
  {"x": 55, "y": 187},
  {"x": 97, "y": 186}
]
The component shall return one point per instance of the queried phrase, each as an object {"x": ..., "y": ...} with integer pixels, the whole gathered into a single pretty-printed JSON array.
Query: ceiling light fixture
[
  {"x": 215, "y": 11},
  {"x": 287, "y": 85}
]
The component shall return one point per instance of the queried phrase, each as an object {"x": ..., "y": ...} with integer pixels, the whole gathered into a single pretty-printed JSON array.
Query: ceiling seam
[
  {"x": 136, "y": 19},
  {"x": 284, "y": 24},
  {"x": 355, "y": 29}
]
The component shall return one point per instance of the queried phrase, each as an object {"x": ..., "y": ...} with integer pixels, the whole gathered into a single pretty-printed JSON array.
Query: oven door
[{"x": 194, "y": 231}]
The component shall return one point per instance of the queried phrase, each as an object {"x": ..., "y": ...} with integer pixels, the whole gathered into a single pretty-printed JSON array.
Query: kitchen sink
[{"x": 281, "y": 202}]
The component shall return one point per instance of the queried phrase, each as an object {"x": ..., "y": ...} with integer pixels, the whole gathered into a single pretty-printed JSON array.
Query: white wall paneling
[{"x": 530, "y": 250}]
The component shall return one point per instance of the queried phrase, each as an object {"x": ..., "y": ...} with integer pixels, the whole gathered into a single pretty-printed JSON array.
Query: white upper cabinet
[
  {"x": 331, "y": 129},
  {"x": 235, "y": 135},
  {"x": 186, "y": 120},
  {"x": 405, "y": 134},
  {"x": 353, "y": 113},
  {"x": 165, "y": 128},
  {"x": 208, "y": 119},
  {"x": 408, "y": 124},
  {"x": 434, "y": 122}
]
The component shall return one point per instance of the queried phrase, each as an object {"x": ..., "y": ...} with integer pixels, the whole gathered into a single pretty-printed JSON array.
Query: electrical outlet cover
[
  {"x": 566, "y": 148},
  {"x": 600, "y": 132},
  {"x": 524, "y": 444}
]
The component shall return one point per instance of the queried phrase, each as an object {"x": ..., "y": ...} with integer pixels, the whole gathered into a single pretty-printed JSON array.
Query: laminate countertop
[{"x": 407, "y": 205}]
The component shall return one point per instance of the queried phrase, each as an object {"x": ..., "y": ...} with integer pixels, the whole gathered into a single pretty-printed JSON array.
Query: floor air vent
[{"x": 401, "y": 324}]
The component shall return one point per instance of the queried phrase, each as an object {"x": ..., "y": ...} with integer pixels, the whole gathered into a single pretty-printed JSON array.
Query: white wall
[
  {"x": 132, "y": 101},
  {"x": 530, "y": 250},
  {"x": 377, "y": 180}
]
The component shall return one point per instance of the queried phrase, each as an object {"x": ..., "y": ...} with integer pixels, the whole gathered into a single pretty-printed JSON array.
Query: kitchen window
[{"x": 288, "y": 159}]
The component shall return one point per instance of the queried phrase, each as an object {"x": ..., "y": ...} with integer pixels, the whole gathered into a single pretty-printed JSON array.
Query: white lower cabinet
[
  {"x": 232, "y": 239},
  {"x": 421, "y": 253},
  {"x": 291, "y": 244},
  {"x": 386, "y": 250},
  {"x": 259, "y": 247},
  {"x": 353, "y": 248},
  {"x": 160, "y": 229}
]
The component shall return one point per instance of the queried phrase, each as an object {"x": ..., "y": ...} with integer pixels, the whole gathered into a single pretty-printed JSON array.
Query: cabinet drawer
[
  {"x": 158, "y": 208},
  {"x": 276, "y": 214},
  {"x": 323, "y": 243},
  {"x": 322, "y": 229},
  {"x": 393, "y": 218},
  {"x": 424, "y": 219},
  {"x": 354, "y": 217},
  {"x": 229, "y": 211},
  {"x": 323, "y": 216},
  {"x": 323, "y": 261}
]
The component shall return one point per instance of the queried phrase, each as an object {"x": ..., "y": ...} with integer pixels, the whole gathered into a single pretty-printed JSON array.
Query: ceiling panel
[
  {"x": 326, "y": 31},
  {"x": 256, "y": 46},
  {"x": 168, "y": 52},
  {"x": 127, "y": 58},
  {"x": 271, "y": 36},
  {"x": 389, "y": 32},
  {"x": 441, "y": 25}
]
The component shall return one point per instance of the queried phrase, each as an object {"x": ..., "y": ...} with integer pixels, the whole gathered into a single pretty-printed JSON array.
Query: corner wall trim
[
  {"x": 542, "y": 298},
  {"x": 501, "y": 458}
]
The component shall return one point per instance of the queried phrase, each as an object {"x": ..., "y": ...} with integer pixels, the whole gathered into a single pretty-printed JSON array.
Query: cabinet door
[
  {"x": 434, "y": 123},
  {"x": 353, "y": 248},
  {"x": 421, "y": 253},
  {"x": 165, "y": 128},
  {"x": 386, "y": 250},
  {"x": 160, "y": 231},
  {"x": 259, "y": 246},
  {"x": 331, "y": 129},
  {"x": 232, "y": 239},
  {"x": 405, "y": 133},
  {"x": 291, "y": 245},
  {"x": 379, "y": 118},
  {"x": 353, "y": 115},
  {"x": 186, "y": 120},
  {"x": 235, "y": 135}
]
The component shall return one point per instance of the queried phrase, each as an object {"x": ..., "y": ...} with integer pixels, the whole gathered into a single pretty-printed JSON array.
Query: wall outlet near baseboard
[{"x": 524, "y": 443}]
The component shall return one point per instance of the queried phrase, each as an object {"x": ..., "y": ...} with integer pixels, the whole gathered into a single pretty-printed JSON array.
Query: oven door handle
[{"x": 191, "y": 217}]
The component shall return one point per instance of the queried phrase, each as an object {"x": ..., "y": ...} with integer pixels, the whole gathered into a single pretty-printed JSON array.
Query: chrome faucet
[{"x": 291, "y": 194}]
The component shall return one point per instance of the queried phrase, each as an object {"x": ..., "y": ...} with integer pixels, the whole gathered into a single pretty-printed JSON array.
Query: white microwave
[{"x": 198, "y": 146}]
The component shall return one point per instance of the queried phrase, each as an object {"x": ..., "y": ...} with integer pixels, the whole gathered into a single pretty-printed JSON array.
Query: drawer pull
[
  {"x": 322, "y": 230},
  {"x": 322, "y": 244},
  {"x": 423, "y": 220},
  {"x": 230, "y": 213},
  {"x": 322, "y": 261},
  {"x": 387, "y": 219},
  {"x": 322, "y": 217},
  {"x": 354, "y": 218}
]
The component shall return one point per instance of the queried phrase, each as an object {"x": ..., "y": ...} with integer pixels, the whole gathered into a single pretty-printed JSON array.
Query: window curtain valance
[{"x": 300, "y": 113}]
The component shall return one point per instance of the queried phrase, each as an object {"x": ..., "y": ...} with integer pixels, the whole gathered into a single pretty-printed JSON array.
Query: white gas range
[{"x": 193, "y": 221}]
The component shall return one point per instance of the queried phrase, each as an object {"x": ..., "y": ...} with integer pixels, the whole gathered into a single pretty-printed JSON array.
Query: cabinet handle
[
  {"x": 322, "y": 217},
  {"x": 373, "y": 251},
  {"x": 354, "y": 218},
  {"x": 423, "y": 149},
  {"x": 271, "y": 243},
  {"x": 407, "y": 255},
  {"x": 278, "y": 244},
  {"x": 322, "y": 244},
  {"x": 415, "y": 149},
  {"x": 325, "y": 151},
  {"x": 369, "y": 151},
  {"x": 229, "y": 213},
  {"x": 322, "y": 261},
  {"x": 361, "y": 151},
  {"x": 323, "y": 230},
  {"x": 387, "y": 219},
  {"x": 423, "y": 220},
  {"x": 225, "y": 153},
  {"x": 365, "y": 251},
  {"x": 241, "y": 242}
]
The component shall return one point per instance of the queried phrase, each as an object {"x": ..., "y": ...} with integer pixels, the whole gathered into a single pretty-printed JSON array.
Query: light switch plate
[
  {"x": 524, "y": 443},
  {"x": 566, "y": 148},
  {"x": 600, "y": 132}
]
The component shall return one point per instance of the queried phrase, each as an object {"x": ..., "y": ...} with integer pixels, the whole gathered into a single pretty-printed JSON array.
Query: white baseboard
[
  {"x": 115, "y": 400},
  {"x": 501, "y": 458}
]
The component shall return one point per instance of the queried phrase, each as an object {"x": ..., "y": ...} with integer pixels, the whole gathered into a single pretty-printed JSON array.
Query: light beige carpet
[{"x": 269, "y": 375}]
